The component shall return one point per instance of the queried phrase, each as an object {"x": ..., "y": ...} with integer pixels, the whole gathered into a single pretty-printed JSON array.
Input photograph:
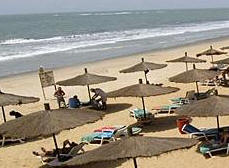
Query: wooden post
[
  {"x": 3, "y": 114},
  {"x": 43, "y": 92},
  {"x": 146, "y": 77},
  {"x": 143, "y": 102},
  {"x": 88, "y": 87},
  {"x": 217, "y": 118},
  {"x": 197, "y": 88},
  {"x": 135, "y": 163},
  {"x": 56, "y": 146},
  {"x": 89, "y": 94}
]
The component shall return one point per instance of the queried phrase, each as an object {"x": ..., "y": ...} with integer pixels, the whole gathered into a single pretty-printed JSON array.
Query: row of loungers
[{"x": 98, "y": 136}]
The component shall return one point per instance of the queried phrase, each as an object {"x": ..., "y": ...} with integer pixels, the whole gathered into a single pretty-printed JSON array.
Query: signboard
[{"x": 47, "y": 78}]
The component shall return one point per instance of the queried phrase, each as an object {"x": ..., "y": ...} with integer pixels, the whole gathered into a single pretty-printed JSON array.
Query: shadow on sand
[
  {"x": 105, "y": 164},
  {"x": 116, "y": 107},
  {"x": 161, "y": 124},
  {"x": 113, "y": 108}
]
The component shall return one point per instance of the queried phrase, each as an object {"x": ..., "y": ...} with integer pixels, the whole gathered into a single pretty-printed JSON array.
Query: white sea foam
[
  {"x": 22, "y": 41},
  {"x": 34, "y": 47},
  {"x": 106, "y": 13}
]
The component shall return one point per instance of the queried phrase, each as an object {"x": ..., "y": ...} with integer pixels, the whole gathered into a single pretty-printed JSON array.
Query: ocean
[{"x": 65, "y": 39}]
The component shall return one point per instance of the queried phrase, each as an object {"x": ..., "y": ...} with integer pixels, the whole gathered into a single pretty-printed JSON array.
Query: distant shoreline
[{"x": 214, "y": 40}]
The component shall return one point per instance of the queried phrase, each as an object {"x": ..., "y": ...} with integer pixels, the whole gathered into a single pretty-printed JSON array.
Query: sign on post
[{"x": 46, "y": 79}]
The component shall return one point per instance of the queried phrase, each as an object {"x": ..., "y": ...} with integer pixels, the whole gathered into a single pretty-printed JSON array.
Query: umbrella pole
[
  {"x": 89, "y": 94},
  {"x": 56, "y": 146},
  {"x": 143, "y": 105},
  {"x": 135, "y": 163},
  {"x": 212, "y": 58},
  {"x": 3, "y": 113},
  {"x": 145, "y": 77},
  {"x": 197, "y": 88},
  {"x": 217, "y": 117},
  {"x": 186, "y": 66}
]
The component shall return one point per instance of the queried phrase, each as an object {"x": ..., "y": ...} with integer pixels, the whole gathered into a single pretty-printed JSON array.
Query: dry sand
[{"x": 28, "y": 84}]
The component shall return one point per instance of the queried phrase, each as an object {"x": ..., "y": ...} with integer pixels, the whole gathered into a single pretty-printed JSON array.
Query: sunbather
[
  {"x": 224, "y": 137},
  {"x": 64, "y": 150}
]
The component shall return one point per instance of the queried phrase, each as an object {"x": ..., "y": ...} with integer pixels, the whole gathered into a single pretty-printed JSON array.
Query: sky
[{"x": 55, "y": 6}]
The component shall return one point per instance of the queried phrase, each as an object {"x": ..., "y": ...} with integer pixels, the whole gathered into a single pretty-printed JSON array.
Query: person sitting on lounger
[
  {"x": 64, "y": 150},
  {"x": 224, "y": 137},
  {"x": 15, "y": 114}
]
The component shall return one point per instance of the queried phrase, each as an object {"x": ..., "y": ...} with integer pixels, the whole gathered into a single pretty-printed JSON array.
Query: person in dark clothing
[
  {"x": 15, "y": 114},
  {"x": 59, "y": 94}
]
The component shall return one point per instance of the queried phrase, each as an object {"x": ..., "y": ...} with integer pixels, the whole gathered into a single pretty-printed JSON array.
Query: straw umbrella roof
[
  {"x": 143, "y": 66},
  {"x": 47, "y": 123},
  {"x": 187, "y": 59},
  {"x": 194, "y": 75},
  {"x": 210, "y": 107},
  {"x": 223, "y": 61},
  {"x": 141, "y": 90},
  {"x": 11, "y": 99},
  {"x": 131, "y": 148},
  {"x": 224, "y": 48},
  {"x": 86, "y": 79},
  {"x": 210, "y": 52}
]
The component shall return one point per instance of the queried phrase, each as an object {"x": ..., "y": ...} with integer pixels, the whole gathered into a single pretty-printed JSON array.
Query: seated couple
[{"x": 67, "y": 147}]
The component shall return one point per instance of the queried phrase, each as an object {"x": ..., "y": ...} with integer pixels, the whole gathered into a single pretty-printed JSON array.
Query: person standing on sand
[
  {"x": 103, "y": 97},
  {"x": 59, "y": 94}
]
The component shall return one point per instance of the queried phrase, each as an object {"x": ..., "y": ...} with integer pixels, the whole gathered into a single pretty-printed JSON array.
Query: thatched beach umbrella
[
  {"x": 143, "y": 66},
  {"x": 211, "y": 52},
  {"x": 48, "y": 123},
  {"x": 194, "y": 75},
  {"x": 186, "y": 59},
  {"x": 85, "y": 80},
  {"x": 213, "y": 106},
  {"x": 223, "y": 61},
  {"x": 141, "y": 90},
  {"x": 132, "y": 147},
  {"x": 224, "y": 48},
  {"x": 7, "y": 99}
]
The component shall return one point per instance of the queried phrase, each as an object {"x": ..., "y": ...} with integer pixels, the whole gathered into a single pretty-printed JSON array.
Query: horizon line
[{"x": 40, "y": 13}]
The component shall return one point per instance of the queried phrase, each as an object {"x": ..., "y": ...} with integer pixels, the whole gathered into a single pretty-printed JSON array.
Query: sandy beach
[{"x": 28, "y": 84}]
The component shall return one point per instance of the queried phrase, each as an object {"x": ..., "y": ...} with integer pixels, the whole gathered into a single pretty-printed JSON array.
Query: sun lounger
[
  {"x": 106, "y": 134},
  {"x": 166, "y": 108},
  {"x": 108, "y": 128},
  {"x": 208, "y": 83},
  {"x": 53, "y": 161},
  {"x": 4, "y": 140},
  {"x": 190, "y": 96},
  {"x": 199, "y": 133},
  {"x": 216, "y": 148},
  {"x": 98, "y": 137},
  {"x": 206, "y": 94},
  {"x": 139, "y": 114}
]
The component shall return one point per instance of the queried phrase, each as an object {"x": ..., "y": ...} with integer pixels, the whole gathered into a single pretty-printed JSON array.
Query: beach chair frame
[
  {"x": 218, "y": 149},
  {"x": 198, "y": 135},
  {"x": 4, "y": 139}
]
